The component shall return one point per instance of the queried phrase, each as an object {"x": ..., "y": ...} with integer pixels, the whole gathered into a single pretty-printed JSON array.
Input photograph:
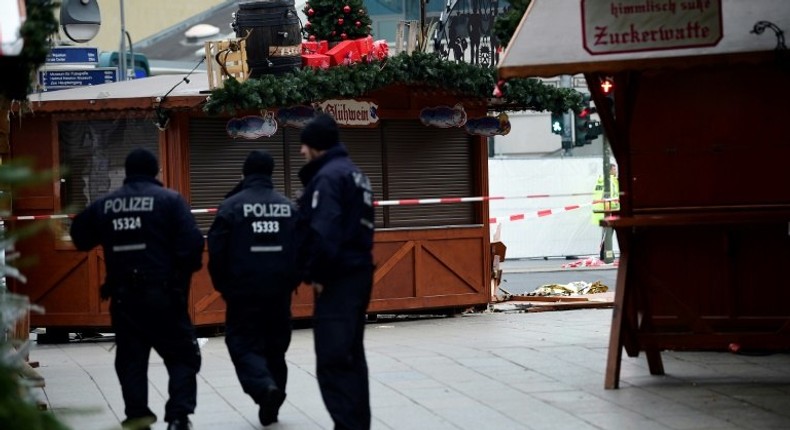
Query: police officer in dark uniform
[
  {"x": 252, "y": 262},
  {"x": 336, "y": 227},
  {"x": 152, "y": 245}
]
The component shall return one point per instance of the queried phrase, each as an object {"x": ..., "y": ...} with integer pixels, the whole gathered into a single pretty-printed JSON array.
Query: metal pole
[
  {"x": 421, "y": 35},
  {"x": 3, "y": 285},
  {"x": 567, "y": 137},
  {"x": 608, "y": 254},
  {"x": 122, "y": 49}
]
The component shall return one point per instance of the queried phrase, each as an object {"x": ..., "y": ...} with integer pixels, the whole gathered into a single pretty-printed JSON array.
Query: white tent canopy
[{"x": 578, "y": 36}]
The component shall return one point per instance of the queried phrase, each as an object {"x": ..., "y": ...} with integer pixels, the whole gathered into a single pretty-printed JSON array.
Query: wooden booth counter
[
  {"x": 428, "y": 257},
  {"x": 697, "y": 123}
]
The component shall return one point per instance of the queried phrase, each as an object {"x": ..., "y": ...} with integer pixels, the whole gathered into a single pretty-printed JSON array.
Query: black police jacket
[
  {"x": 336, "y": 217},
  {"x": 147, "y": 231},
  {"x": 251, "y": 243}
]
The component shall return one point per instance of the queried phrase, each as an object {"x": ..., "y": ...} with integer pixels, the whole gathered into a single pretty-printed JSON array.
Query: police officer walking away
[
  {"x": 152, "y": 245},
  {"x": 336, "y": 227},
  {"x": 252, "y": 262}
]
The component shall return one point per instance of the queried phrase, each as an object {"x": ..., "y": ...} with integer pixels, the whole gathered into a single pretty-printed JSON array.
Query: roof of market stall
[{"x": 578, "y": 36}]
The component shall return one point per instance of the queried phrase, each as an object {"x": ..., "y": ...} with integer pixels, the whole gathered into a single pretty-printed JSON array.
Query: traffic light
[
  {"x": 557, "y": 123},
  {"x": 607, "y": 89},
  {"x": 582, "y": 122},
  {"x": 587, "y": 129},
  {"x": 594, "y": 130}
]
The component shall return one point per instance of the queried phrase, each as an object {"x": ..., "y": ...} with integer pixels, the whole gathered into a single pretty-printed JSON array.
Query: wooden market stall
[
  {"x": 429, "y": 258},
  {"x": 697, "y": 121}
]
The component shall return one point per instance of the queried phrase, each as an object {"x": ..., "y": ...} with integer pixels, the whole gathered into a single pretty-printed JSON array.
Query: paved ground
[{"x": 488, "y": 370}]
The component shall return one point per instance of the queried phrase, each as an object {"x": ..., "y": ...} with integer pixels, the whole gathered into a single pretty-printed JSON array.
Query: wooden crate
[
  {"x": 406, "y": 35},
  {"x": 226, "y": 59}
]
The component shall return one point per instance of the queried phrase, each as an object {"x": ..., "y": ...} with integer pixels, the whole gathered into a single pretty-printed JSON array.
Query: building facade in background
[{"x": 143, "y": 18}]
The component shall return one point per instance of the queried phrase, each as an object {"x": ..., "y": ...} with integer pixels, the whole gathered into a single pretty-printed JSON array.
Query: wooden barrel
[{"x": 273, "y": 35}]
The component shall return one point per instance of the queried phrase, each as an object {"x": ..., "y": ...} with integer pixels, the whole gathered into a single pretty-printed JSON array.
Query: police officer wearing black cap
[
  {"x": 252, "y": 262},
  {"x": 152, "y": 245},
  {"x": 336, "y": 227}
]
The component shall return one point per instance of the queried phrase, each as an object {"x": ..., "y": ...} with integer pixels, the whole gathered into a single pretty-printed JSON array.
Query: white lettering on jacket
[
  {"x": 269, "y": 210},
  {"x": 129, "y": 204}
]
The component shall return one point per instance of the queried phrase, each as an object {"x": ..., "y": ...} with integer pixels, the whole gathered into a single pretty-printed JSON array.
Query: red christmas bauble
[
  {"x": 343, "y": 36},
  {"x": 340, "y": 21},
  {"x": 311, "y": 38},
  {"x": 310, "y": 12},
  {"x": 308, "y": 24},
  {"x": 358, "y": 24},
  {"x": 347, "y": 9},
  {"x": 333, "y": 32}
]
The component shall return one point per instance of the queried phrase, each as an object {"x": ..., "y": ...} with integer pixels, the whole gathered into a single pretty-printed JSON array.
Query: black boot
[
  {"x": 179, "y": 424},
  {"x": 270, "y": 405},
  {"x": 138, "y": 423}
]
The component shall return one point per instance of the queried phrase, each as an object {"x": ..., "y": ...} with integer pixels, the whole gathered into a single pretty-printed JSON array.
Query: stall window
[
  {"x": 215, "y": 161},
  {"x": 427, "y": 163},
  {"x": 92, "y": 155},
  {"x": 404, "y": 160}
]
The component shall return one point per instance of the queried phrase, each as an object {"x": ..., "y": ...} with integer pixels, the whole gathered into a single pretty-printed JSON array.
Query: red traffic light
[{"x": 607, "y": 86}]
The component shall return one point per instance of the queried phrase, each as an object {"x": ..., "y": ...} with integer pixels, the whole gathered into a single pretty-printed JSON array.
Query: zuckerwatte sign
[{"x": 649, "y": 25}]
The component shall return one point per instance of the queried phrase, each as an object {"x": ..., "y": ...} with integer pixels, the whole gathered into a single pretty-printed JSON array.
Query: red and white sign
[{"x": 650, "y": 25}]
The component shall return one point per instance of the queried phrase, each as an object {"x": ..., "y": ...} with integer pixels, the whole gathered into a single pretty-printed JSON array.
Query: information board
[
  {"x": 73, "y": 55},
  {"x": 68, "y": 78}
]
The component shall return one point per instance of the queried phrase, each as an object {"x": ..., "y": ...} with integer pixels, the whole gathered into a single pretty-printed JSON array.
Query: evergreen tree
[
  {"x": 336, "y": 20},
  {"x": 506, "y": 23}
]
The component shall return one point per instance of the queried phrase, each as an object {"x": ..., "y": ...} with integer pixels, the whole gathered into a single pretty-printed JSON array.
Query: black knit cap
[
  {"x": 259, "y": 162},
  {"x": 321, "y": 132},
  {"x": 141, "y": 162}
]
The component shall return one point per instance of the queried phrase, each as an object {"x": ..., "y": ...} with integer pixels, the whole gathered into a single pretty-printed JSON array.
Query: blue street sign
[
  {"x": 73, "y": 55},
  {"x": 55, "y": 79}
]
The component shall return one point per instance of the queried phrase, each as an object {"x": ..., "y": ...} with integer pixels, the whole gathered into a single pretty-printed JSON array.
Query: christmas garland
[{"x": 308, "y": 85}]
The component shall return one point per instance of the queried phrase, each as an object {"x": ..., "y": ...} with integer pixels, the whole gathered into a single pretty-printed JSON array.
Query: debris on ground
[
  {"x": 590, "y": 262},
  {"x": 549, "y": 297},
  {"x": 571, "y": 289}
]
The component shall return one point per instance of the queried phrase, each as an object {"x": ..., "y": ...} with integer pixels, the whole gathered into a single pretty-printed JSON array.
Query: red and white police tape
[
  {"x": 404, "y": 202},
  {"x": 537, "y": 214},
  {"x": 401, "y": 202}
]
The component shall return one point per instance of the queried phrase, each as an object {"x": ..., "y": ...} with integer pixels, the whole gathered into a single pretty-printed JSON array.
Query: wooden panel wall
[
  {"x": 704, "y": 234},
  {"x": 417, "y": 269},
  {"x": 710, "y": 137},
  {"x": 63, "y": 281}
]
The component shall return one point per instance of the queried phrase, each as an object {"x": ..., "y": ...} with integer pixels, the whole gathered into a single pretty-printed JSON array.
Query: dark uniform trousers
[
  {"x": 154, "y": 317},
  {"x": 258, "y": 333},
  {"x": 341, "y": 367}
]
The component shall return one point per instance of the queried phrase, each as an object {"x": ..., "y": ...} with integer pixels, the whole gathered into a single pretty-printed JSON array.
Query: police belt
[{"x": 135, "y": 280}]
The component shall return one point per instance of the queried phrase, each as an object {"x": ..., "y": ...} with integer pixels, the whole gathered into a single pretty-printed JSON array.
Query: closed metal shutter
[
  {"x": 93, "y": 154},
  {"x": 295, "y": 161},
  {"x": 417, "y": 162},
  {"x": 216, "y": 160},
  {"x": 364, "y": 148},
  {"x": 428, "y": 162}
]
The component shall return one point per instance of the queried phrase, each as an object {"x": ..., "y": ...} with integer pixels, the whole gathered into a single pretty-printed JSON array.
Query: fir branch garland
[{"x": 309, "y": 85}]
